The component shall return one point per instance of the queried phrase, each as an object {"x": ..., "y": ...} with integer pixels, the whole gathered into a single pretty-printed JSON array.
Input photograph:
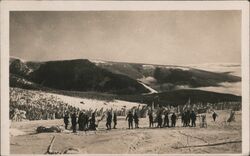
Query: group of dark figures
[
  {"x": 89, "y": 123},
  {"x": 188, "y": 116},
  {"x": 109, "y": 120},
  {"x": 159, "y": 120},
  {"x": 132, "y": 118}
]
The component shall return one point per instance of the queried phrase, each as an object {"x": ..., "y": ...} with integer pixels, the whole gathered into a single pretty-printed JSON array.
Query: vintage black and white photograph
[{"x": 125, "y": 82}]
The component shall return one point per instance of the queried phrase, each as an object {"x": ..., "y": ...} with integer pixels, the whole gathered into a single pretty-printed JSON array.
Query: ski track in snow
[{"x": 152, "y": 91}]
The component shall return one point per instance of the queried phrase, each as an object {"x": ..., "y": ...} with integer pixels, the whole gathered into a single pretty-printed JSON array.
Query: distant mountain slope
[
  {"x": 192, "y": 77},
  {"x": 132, "y": 70},
  {"x": 180, "y": 97},
  {"x": 167, "y": 77},
  {"x": 19, "y": 68},
  {"x": 115, "y": 77},
  {"x": 75, "y": 75},
  {"x": 21, "y": 82},
  {"x": 72, "y": 77},
  {"x": 231, "y": 68},
  {"x": 195, "y": 96}
]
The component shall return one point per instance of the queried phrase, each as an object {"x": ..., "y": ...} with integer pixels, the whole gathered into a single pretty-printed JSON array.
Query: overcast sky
[{"x": 158, "y": 37}]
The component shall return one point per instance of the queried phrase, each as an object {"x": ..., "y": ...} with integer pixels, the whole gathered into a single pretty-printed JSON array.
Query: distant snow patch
[
  {"x": 97, "y": 61},
  {"x": 147, "y": 66},
  {"x": 177, "y": 67},
  {"x": 148, "y": 80},
  {"x": 18, "y": 58}
]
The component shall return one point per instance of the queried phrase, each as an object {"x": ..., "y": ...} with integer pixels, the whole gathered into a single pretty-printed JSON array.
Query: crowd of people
[
  {"x": 159, "y": 119},
  {"x": 187, "y": 117},
  {"x": 86, "y": 122}
]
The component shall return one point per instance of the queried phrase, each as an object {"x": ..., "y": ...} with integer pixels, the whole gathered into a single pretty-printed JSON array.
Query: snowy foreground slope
[
  {"x": 23, "y": 96},
  {"x": 136, "y": 141}
]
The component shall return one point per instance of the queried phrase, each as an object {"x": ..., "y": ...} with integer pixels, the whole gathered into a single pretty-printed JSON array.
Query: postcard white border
[{"x": 7, "y": 6}]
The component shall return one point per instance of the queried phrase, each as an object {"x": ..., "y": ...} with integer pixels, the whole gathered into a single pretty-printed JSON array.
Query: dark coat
[
  {"x": 173, "y": 117},
  {"x": 109, "y": 118},
  {"x": 151, "y": 119},
  {"x": 129, "y": 117},
  {"x": 136, "y": 118},
  {"x": 73, "y": 119},
  {"x": 193, "y": 116},
  {"x": 66, "y": 119},
  {"x": 115, "y": 118}
]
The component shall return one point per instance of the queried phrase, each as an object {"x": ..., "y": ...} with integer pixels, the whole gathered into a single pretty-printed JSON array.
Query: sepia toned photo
[{"x": 125, "y": 82}]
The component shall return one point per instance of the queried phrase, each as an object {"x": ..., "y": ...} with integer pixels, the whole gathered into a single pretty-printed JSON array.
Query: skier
[
  {"x": 159, "y": 120},
  {"x": 66, "y": 120},
  {"x": 151, "y": 119},
  {"x": 80, "y": 121},
  {"x": 193, "y": 119},
  {"x": 183, "y": 119},
  {"x": 115, "y": 120},
  {"x": 214, "y": 116},
  {"x": 136, "y": 119},
  {"x": 130, "y": 120},
  {"x": 92, "y": 124},
  {"x": 173, "y": 120},
  {"x": 166, "y": 120},
  {"x": 109, "y": 120},
  {"x": 73, "y": 121}
]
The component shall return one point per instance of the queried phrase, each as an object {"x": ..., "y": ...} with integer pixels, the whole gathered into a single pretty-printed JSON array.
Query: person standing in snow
[
  {"x": 73, "y": 121},
  {"x": 214, "y": 116},
  {"x": 173, "y": 120},
  {"x": 166, "y": 120},
  {"x": 151, "y": 119},
  {"x": 183, "y": 119},
  {"x": 193, "y": 119},
  {"x": 130, "y": 120},
  {"x": 109, "y": 121},
  {"x": 92, "y": 125},
  {"x": 66, "y": 120},
  {"x": 159, "y": 120},
  {"x": 115, "y": 120},
  {"x": 87, "y": 120},
  {"x": 136, "y": 119},
  {"x": 80, "y": 121}
]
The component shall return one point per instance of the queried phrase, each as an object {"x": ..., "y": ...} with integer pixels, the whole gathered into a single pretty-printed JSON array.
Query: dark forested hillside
[
  {"x": 78, "y": 75},
  {"x": 180, "y": 97}
]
